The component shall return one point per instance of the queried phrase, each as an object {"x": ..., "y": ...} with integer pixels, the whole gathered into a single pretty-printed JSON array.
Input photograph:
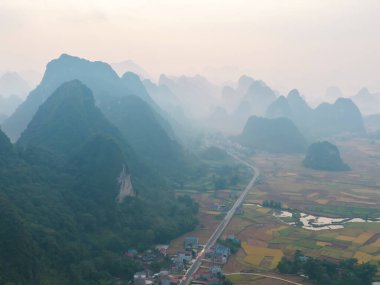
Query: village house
[
  {"x": 216, "y": 270},
  {"x": 203, "y": 274},
  {"x": 221, "y": 254},
  {"x": 167, "y": 279},
  {"x": 184, "y": 256},
  {"x": 177, "y": 266},
  {"x": 139, "y": 278},
  {"x": 162, "y": 248},
  {"x": 222, "y": 250}
]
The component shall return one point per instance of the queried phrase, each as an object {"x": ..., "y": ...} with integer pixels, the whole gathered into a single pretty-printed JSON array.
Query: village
[{"x": 175, "y": 266}]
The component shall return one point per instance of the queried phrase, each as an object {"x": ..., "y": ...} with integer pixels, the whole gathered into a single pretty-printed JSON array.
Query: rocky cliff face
[{"x": 126, "y": 188}]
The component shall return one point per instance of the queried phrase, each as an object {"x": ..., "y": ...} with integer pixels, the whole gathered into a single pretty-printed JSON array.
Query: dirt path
[{"x": 265, "y": 276}]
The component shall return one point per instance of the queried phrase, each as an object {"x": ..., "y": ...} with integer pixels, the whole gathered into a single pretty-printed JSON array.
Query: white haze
[{"x": 309, "y": 45}]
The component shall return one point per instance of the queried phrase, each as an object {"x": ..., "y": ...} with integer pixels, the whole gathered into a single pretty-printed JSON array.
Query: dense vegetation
[
  {"x": 327, "y": 273},
  {"x": 215, "y": 154},
  {"x": 60, "y": 222},
  {"x": 138, "y": 123},
  {"x": 273, "y": 135},
  {"x": 272, "y": 204},
  {"x": 324, "y": 156}
]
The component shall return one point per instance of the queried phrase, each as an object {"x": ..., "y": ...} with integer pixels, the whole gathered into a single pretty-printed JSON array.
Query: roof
[{"x": 221, "y": 249}]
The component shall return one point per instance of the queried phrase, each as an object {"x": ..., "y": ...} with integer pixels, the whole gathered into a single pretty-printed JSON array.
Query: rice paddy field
[{"x": 352, "y": 194}]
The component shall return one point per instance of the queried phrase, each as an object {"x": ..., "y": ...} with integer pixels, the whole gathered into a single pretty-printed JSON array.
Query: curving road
[{"x": 223, "y": 224}]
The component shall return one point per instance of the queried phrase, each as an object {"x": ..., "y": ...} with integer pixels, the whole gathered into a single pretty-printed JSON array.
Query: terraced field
[{"x": 265, "y": 239}]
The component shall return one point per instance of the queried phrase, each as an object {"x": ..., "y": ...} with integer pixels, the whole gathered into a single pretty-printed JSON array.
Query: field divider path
[{"x": 265, "y": 276}]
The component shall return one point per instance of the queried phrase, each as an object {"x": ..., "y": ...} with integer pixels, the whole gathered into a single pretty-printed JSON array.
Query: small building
[
  {"x": 139, "y": 278},
  {"x": 222, "y": 250},
  {"x": 219, "y": 259},
  {"x": 184, "y": 256},
  {"x": 162, "y": 248},
  {"x": 177, "y": 266},
  {"x": 203, "y": 274},
  {"x": 210, "y": 252},
  {"x": 191, "y": 242},
  {"x": 216, "y": 270},
  {"x": 165, "y": 280}
]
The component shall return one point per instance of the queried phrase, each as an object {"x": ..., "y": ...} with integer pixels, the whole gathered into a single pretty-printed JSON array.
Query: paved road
[
  {"x": 219, "y": 230},
  {"x": 266, "y": 276}
]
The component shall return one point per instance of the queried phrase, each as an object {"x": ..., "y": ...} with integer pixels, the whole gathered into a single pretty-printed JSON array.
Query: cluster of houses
[{"x": 210, "y": 273}]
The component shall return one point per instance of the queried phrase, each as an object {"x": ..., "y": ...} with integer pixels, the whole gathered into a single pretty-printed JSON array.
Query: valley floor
[{"x": 266, "y": 238}]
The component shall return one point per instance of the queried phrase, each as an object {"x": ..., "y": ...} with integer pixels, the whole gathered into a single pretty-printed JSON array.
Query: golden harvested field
[
  {"x": 256, "y": 255},
  {"x": 353, "y": 200},
  {"x": 264, "y": 210},
  {"x": 376, "y": 243},
  {"x": 212, "y": 212},
  {"x": 366, "y": 191},
  {"x": 363, "y": 257},
  {"x": 339, "y": 194},
  {"x": 323, "y": 243},
  {"x": 265, "y": 236},
  {"x": 363, "y": 237},
  {"x": 345, "y": 238},
  {"x": 322, "y": 201}
]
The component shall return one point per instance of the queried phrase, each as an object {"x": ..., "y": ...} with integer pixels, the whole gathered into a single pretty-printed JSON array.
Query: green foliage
[
  {"x": 327, "y": 273},
  {"x": 233, "y": 244},
  {"x": 142, "y": 128},
  {"x": 272, "y": 204},
  {"x": 214, "y": 153},
  {"x": 59, "y": 219}
]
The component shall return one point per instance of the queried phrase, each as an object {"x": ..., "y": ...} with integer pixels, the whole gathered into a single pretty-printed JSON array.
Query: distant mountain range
[
  {"x": 9, "y": 104},
  {"x": 326, "y": 120},
  {"x": 11, "y": 83},
  {"x": 140, "y": 119},
  {"x": 130, "y": 66},
  {"x": 99, "y": 76},
  {"x": 196, "y": 93},
  {"x": 368, "y": 103},
  {"x": 278, "y": 135}
]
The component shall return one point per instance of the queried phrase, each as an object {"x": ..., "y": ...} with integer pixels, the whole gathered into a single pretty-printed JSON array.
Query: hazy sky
[{"x": 296, "y": 43}]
